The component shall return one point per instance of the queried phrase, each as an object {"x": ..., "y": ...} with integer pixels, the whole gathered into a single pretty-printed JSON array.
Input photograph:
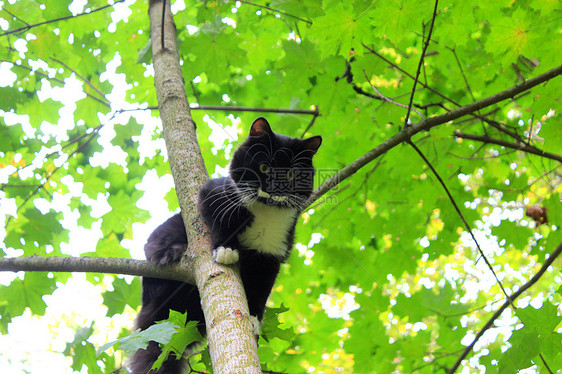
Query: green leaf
[
  {"x": 160, "y": 333},
  {"x": 337, "y": 32},
  {"x": 271, "y": 325},
  {"x": 25, "y": 293},
  {"x": 83, "y": 352},
  {"x": 180, "y": 340},
  {"x": 123, "y": 294}
]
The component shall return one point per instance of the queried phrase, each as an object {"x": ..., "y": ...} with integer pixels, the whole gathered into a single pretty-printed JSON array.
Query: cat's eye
[
  {"x": 264, "y": 168},
  {"x": 290, "y": 175}
]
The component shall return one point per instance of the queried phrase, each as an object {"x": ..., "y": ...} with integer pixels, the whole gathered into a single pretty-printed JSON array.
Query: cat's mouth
[{"x": 276, "y": 198}]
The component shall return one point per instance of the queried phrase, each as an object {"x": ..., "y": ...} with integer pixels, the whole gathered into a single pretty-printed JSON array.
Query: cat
[{"x": 251, "y": 215}]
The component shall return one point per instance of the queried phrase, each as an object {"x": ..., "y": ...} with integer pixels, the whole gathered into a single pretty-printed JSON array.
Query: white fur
[
  {"x": 269, "y": 229},
  {"x": 225, "y": 256}
]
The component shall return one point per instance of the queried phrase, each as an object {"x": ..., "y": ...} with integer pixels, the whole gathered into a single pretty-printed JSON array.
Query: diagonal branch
[
  {"x": 498, "y": 312},
  {"x": 28, "y": 27},
  {"x": 426, "y": 124},
  {"x": 520, "y": 147},
  {"x": 464, "y": 221}
]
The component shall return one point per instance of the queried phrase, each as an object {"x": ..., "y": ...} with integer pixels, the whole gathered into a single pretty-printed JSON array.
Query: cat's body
[{"x": 251, "y": 215}]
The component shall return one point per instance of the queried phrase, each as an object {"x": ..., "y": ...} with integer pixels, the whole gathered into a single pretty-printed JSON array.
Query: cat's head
[{"x": 274, "y": 169}]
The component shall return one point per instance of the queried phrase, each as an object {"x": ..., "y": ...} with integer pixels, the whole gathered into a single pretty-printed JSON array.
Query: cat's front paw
[{"x": 225, "y": 256}]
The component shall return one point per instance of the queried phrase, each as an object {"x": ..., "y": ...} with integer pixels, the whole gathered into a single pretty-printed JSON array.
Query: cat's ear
[
  {"x": 313, "y": 143},
  {"x": 260, "y": 127}
]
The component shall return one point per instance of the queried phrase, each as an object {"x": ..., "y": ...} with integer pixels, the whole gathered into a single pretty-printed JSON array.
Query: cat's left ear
[
  {"x": 260, "y": 127},
  {"x": 313, "y": 143}
]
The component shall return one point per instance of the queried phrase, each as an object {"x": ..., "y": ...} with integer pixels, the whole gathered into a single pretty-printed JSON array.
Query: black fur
[{"x": 281, "y": 187}]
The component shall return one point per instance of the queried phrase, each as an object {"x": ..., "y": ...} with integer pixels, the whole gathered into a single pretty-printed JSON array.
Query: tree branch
[
  {"x": 27, "y": 27},
  {"x": 106, "y": 265},
  {"x": 426, "y": 124},
  {"x": 520, "y": 147},
  {"x": 514, "y": 296}
]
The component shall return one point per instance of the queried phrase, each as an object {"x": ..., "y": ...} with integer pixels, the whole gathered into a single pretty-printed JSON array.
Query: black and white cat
[{"x": 251, "y": 215}]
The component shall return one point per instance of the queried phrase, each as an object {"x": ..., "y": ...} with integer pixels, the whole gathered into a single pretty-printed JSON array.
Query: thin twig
[
  {"x": 227, "y": 108},
  {"x": 276, "y": 11},
  {"x": 389, "y": 100},
  {"x": 480, "y": 158},
  {"x": 13, "y": 15},
  {"x": 515, "y": 295},
  {"x": 61, "y": 82},
  {"x": 434, "y": 360},
  {"x": 194, "y": 92},
  {"x": 25, "y": 28},
  {"x": 520, "y": 147},
  {"x": 353, "y": 194},
  {"x": 545, "y": 364},
  {"x": 83, "y": 79},
  {"x": 47, "y": 178},
  {"x": 462, "y": 73},
  {"x": 312, "y": 121},
  {"x": 457, "y": 209},
  {"x": 426, "y": 44}
]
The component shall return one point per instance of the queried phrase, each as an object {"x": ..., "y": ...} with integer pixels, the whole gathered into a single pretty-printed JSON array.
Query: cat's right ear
[
  {"x": 313, "y": 143},
  {"x": 260, "y": 127}
]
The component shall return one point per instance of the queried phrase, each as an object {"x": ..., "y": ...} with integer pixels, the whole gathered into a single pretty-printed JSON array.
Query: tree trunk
[{"x": 232, "y": 345}]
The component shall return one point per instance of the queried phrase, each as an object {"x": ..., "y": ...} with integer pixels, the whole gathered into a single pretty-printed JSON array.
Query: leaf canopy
[{"x": 385, "y": 277}]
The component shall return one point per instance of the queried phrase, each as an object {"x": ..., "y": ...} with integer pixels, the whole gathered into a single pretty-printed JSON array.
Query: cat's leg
[
  {"x": 159, "y": 296},
  {"x": 167, "y": 243},
  {"x": 224, "y": 246},
  {"x": 258, "y": 274},
  {"x": 223, "y": 213}
]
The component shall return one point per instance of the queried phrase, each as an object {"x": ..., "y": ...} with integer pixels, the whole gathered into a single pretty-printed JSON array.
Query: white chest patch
[{"x": 268, "y": 231}]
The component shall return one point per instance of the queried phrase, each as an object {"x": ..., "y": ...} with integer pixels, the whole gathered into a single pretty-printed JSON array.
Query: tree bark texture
[{"x": 232, "y": 344}]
